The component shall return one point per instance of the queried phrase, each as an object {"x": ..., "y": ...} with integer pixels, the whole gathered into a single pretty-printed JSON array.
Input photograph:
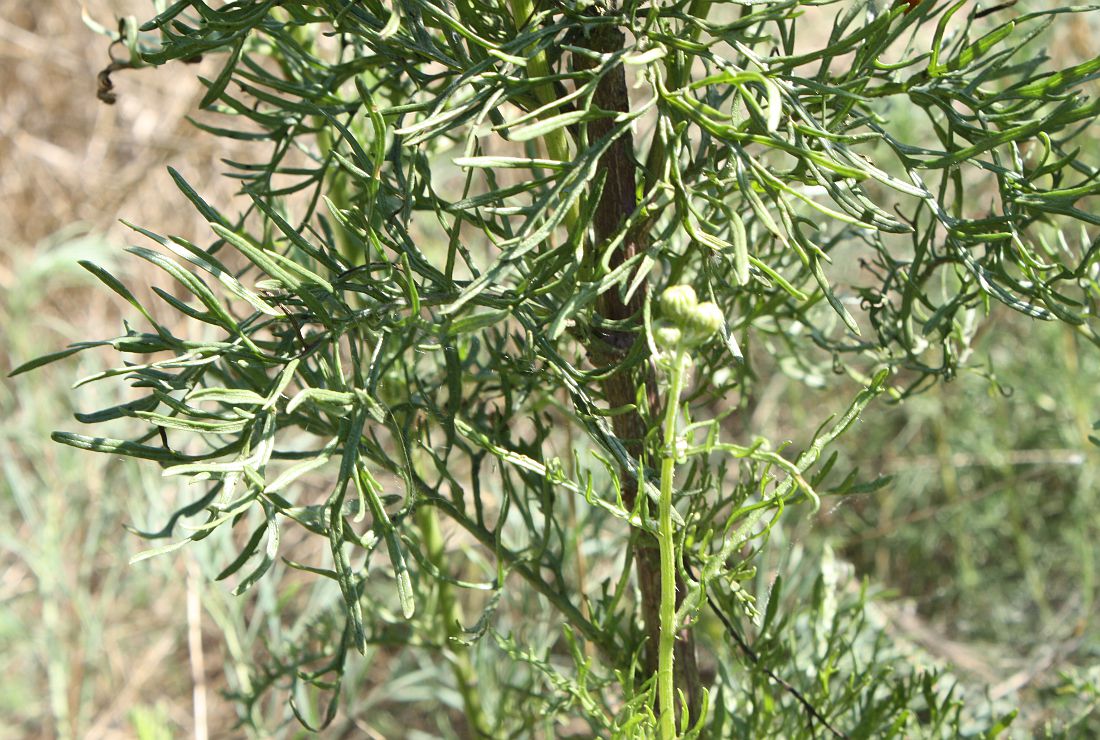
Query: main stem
[
  {"x": 628, "y": 386},
  {"x": 609, "y": 347},
  {"x": 666, "y": 685}
]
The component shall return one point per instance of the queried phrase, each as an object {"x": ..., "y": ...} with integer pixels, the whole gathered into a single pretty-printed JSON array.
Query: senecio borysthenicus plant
[{"x": 464, "y": 299}]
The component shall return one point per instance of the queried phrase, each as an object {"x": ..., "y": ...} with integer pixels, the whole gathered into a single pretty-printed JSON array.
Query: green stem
[
  {"x": 666, "y": 685},
  {"x": 557, "y": 141},
  {"x": 447, "y": 612}
]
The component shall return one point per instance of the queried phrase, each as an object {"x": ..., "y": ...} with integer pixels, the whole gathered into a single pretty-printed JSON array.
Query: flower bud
[
  {"x": 667, "y": 337},
  {"x": 704, "y": 322},
  {"x": 677, "y": 303}
]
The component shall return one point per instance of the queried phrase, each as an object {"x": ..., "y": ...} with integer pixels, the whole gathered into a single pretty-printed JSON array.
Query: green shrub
[{"x": 508, "y": 283}]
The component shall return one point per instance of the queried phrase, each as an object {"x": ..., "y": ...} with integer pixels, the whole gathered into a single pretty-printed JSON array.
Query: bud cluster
[{"x": 687, "y": 322}]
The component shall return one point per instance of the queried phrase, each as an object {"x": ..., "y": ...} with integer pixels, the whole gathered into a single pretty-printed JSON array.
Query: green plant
[{"x": 440, "y": 295}]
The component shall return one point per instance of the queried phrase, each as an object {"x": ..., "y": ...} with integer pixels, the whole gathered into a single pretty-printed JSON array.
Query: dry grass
[{"x": 91, "y": 646}]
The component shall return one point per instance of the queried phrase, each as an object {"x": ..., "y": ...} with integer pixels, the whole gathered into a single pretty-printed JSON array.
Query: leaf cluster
[{"x": 412, "y": 308}]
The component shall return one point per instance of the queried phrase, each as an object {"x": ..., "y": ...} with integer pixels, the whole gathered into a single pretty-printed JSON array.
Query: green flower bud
[
  {"x": 704, "y": 322},
  {"x": 677, "y": 303},
  {"x": 668, "y": 337}
]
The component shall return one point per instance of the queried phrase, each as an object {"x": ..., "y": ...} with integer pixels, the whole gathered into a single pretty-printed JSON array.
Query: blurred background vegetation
[{"x": 981, "y": 556}]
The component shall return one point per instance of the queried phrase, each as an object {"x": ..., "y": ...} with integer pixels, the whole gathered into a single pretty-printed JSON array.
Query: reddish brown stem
[{"x": 617, "y": 202}]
